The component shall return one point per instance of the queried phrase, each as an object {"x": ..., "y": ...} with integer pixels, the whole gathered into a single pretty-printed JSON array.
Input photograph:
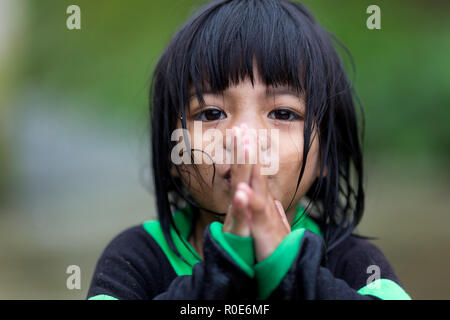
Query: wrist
[{"x": 267, "y": 243}]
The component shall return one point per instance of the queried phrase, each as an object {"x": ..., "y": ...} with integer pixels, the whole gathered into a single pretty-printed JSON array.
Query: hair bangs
[{"x": 227, "y": 42}]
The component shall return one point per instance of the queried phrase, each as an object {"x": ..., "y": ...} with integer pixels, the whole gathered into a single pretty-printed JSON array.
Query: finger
[
  {"x": 239, "y": 225},
  {"x": 237, "y": 210},
  {"x": 280, "y": 210},
  {"x": 258, "y": 182},
  {"x": 256, "y": 204},
  {"x": 245, "y": 187},
  {"x": 240, "y": 170},
  {"x": 240, "y": 200}
]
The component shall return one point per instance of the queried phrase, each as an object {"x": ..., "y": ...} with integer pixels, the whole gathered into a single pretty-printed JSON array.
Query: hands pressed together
[{"x": 253, "y": 211}]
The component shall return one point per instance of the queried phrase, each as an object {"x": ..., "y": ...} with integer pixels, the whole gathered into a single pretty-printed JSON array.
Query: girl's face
[{"x": 258, "y": 107}]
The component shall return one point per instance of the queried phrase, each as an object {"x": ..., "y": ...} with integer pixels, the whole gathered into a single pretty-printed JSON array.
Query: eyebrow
[{"x": 270, "y": 91}]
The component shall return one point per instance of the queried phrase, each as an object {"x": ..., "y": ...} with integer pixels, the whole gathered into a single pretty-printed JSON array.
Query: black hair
[{"x": 216, "y": 48}]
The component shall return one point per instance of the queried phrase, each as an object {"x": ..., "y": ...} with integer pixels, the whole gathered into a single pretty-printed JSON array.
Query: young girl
[{"x": 226, "y": 230}]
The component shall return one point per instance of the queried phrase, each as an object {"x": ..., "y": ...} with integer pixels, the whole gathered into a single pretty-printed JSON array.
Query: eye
[
  {"x": 210, "y": 114},
  {"x": 284, "y": 115}
]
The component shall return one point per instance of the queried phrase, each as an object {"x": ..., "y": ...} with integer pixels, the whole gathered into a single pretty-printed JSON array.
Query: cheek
[
  {"x": 284, "y": 183},
  {"x": 290, "y": 148},
  {"x": 197, "y": 178},
  {"x": 199, "y": 186}
]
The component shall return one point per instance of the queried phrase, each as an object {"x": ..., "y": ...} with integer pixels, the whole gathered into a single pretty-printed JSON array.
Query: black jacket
[{"x": 138, "y": 264}]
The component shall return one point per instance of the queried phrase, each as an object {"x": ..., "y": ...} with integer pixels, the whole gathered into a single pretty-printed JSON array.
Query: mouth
[{"x": 227, "y": 177}]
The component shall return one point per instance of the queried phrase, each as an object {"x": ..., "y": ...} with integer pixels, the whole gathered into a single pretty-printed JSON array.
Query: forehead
[{"x": 247, "y": 86}]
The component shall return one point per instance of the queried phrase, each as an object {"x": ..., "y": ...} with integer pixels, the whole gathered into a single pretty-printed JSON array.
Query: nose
[{"x": 254, "y": 135}]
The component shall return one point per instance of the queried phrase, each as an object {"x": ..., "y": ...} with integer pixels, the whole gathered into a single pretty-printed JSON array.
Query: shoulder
[
  {"x": 133, "y": 244},
  {"x": 128, "y": 265},
  {"x": 132, "y": 240},
  {"x": 356, "y": 259},
  {"x": 355, "y": 246}
]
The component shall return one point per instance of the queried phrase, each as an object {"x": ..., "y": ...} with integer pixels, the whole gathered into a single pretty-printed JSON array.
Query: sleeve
[
  {"x": 295, "y": 271},
  {"x": 127, "y": 268},
  {"x": 217, "y": 277},
  {"x": 240, "y": 249}
]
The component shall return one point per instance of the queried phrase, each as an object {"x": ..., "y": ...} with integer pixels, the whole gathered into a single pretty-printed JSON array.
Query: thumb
[{"x": 282, "y": 214}]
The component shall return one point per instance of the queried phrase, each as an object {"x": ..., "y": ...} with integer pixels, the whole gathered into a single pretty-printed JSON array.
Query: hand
[
  {"x": 268, "y": 221},
  {"x": 237, "y": 218},
  {"x": 253, "y": 210}
]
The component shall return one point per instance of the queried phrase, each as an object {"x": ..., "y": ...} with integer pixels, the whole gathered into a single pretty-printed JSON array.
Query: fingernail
[
  {"x": 241, "y": 196},
  {"x": 243, "y": 187}
]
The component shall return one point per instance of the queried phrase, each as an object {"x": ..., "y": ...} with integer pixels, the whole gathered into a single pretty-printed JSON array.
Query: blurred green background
[{"x": 74, "y": 152}]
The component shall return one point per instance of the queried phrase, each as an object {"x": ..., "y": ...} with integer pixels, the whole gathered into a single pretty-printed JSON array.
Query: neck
[{"x": 290, "y": 214}]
